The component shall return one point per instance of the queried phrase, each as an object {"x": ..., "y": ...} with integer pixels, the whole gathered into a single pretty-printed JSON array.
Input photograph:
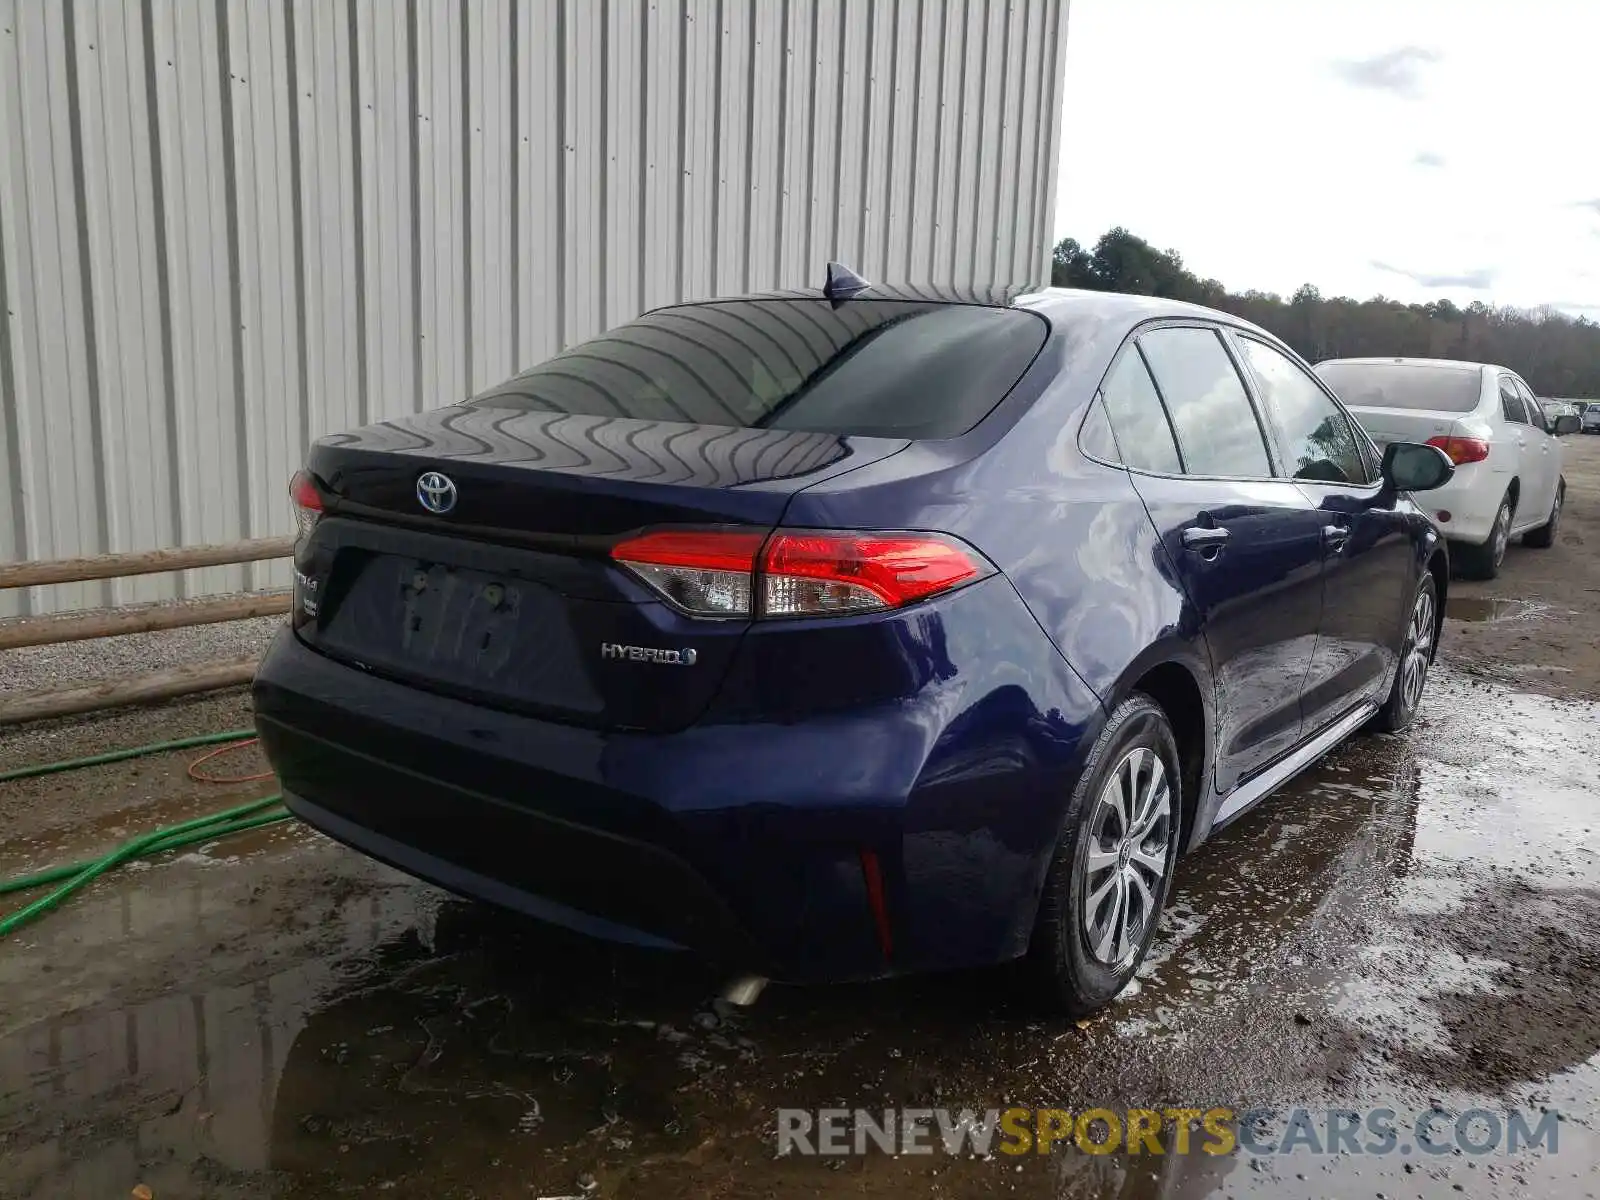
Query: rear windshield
[
  {"x": 1404, "y": 385},
  {"x": 884, "y": 368}
]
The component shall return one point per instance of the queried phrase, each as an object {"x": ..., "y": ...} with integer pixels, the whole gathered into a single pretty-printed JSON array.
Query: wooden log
[
  {"x": 141, "y": 562},
  {"x": 136, "y": 689},
  {"x": 109, "y": 622}
]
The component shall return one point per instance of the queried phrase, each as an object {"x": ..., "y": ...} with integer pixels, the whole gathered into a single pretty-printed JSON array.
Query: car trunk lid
[
  {"x": 508, "y": 598},
  {"x": 1386, "y": 425}
]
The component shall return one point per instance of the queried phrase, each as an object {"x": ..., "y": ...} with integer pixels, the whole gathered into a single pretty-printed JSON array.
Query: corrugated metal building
[{"x": 230, "y": 226}]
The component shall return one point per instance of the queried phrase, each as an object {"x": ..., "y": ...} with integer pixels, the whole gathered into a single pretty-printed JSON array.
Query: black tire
[
  {"x": 1544, "y": 537},
  {"x": 1483, "y": 561},
  {"x": 1064, "y": 971},
  {"x": 1421, "y": 640}
]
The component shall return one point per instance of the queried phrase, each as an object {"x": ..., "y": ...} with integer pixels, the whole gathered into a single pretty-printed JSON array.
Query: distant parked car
[
  {"x": 851, "y": 633},
  {"x": 1591, "y": 419},
  {"x": 1559, "y": 408},
  {"x": 1508, "y": 478}
]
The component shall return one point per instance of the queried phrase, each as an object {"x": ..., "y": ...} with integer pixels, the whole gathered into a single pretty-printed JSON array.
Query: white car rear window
[{"x": 1431, "y": 386}]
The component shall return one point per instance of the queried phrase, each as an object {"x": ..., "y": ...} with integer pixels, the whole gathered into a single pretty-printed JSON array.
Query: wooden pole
[
  {"x": 138, "y": 689},
  {"x": 141, "y": 562},
  {"x": 108, "y": 622}
]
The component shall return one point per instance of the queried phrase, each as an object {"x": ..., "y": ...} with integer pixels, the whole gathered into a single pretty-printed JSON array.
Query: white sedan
[{"x": 1508, "y": 478}]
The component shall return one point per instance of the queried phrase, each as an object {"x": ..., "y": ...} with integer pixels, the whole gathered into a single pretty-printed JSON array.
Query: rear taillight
[
  {"x": 812, "y": 574},
  {"x": 1462, "y": 449},
  {"x": 798, "y": 573},
  {"x": 704, "y": 572},
  {"x": 307, "y": 502}
]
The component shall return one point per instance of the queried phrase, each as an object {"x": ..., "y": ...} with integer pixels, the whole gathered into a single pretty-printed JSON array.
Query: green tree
[
  {"x": 1557, "y": 354},
  {"x": 1070, "y": 266}
]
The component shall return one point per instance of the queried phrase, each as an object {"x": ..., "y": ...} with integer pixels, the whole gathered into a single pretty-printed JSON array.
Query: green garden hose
[
  {"x": 73, "y": 876},
  {"x": 170, "y": 840},
  {"x": 94, "y": 760}
]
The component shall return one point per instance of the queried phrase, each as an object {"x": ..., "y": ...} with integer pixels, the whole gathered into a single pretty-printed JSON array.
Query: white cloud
[{"x": 1413, "y": 148}]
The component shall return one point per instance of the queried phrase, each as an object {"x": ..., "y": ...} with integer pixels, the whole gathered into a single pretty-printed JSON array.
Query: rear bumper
[
  {"x": 1472, "y": 498},
  {"x": 742, "y": 842},
  {"x": 582, "y": 864}
]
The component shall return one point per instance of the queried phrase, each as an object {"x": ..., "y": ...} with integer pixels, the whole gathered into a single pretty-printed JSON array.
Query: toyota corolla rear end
[{"x": 582, "y": 648}]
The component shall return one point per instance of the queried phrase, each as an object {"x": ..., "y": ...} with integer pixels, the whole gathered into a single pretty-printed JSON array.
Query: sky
[{"x": 1410, "y": 149}]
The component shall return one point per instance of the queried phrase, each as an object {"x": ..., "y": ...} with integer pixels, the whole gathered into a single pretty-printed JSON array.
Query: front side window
[
  {"x": 1530, "y": 402},
  {"x": 1218, "y": 433},
  {"x": 1316, "y": 436},
  {"x": 1144, "y": 438}
]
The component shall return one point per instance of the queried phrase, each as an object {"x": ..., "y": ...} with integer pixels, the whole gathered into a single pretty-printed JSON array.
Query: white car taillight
[
  {"x": 801, "y": 573},
  {"x": 307, "y": 502}
]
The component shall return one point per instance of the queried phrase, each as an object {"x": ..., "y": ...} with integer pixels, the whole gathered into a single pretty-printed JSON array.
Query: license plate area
[
  {"x": 446, "y": 624},
  {"x": 462, "y": 621}
]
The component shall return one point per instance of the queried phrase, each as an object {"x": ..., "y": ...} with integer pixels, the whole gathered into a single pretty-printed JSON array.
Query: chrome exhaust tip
[{"x": 743, "y": 991}]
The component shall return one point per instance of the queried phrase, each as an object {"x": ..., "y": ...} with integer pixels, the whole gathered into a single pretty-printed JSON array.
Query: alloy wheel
[
  {"x": 1502, "y": 532},
  {"x": 1419, "y": 644},
  {"x": 1125, "y": 867}
]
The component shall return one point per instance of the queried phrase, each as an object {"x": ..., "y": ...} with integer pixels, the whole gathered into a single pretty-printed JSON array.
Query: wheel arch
[
  {"x": 1177, "y": 677},
  {"x": 1439, "y": 568}
]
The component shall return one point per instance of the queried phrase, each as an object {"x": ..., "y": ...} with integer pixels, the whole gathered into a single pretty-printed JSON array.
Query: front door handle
[
  {"x": 1334, "y": 537},
  {"x": 1200, "y": 537}
]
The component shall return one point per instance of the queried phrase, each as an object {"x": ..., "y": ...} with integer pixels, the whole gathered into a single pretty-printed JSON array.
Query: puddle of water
[
  {"x": 1489, "y": 608},
  {"x": 1410, "y": 920}
]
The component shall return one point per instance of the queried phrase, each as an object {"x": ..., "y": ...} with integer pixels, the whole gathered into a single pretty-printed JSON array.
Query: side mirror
[
  {"x": 1567, "y": 423},
  {"x": 1413, "y": 467}
]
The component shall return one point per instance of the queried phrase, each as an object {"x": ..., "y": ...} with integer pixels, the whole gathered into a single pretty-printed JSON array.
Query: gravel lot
[{"x": 104, "y": 658}]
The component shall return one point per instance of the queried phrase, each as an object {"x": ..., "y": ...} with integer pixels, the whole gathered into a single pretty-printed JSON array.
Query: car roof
[
  {"x": 1415, "y": 362},
  {"x": 1051, "y": 302},
  {"x": 1069, "y": 302}
]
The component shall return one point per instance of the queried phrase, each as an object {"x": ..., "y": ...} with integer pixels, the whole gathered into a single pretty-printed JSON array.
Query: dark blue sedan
[{"x": 841, "y": 634}]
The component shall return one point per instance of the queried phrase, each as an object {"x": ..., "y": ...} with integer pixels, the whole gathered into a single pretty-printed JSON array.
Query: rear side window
[
  {"x": 1095, "y": 437},
  {"x": 1431, "y": 386},
  {"x": 1144, "y": 438},
  {"x": 1510, "y": 403},
  {"x": 884, "y": 368},
  {"x": 1316, "y": 436},
  {"x": 1218, "y": 433}
]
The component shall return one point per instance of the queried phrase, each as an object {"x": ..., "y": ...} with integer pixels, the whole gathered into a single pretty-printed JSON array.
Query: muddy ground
[{"x": 1414, "y": 923}]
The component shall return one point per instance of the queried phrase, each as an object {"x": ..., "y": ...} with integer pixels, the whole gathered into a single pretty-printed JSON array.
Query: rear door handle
[
  {"x": 1199, "y": 537},
  {"x": 1334, "y": 537}
]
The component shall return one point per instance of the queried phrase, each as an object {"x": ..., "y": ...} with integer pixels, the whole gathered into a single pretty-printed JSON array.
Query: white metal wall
[{"x": 230, "y": 226}]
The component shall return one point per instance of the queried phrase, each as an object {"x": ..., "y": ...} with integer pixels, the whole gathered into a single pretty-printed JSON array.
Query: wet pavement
[
  {"x": 1491, "y": 608},
  {"x": 1414, "y": 923}
]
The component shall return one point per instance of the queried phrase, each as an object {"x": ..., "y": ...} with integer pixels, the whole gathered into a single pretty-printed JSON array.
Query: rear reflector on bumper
[{"x": 797, "y": 573}]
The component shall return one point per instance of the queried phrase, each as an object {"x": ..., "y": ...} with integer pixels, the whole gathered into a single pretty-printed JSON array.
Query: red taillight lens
[
  {"x": 705, "y": 572},
  {"x": 813, "y": 574},
  {"x": 1462, "y": 449},
  {"x": 728, "y": 573},
  {"x": 307, "y": 501}
]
